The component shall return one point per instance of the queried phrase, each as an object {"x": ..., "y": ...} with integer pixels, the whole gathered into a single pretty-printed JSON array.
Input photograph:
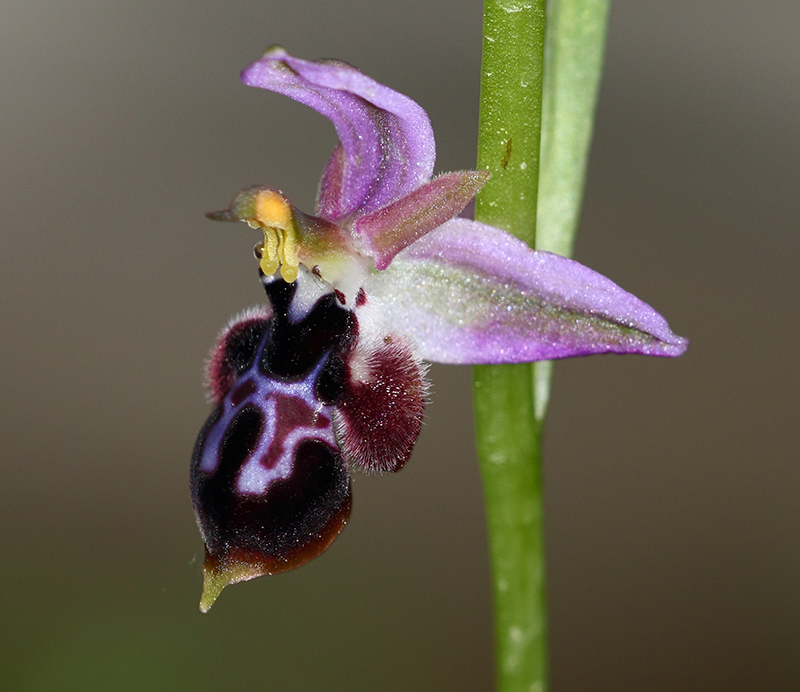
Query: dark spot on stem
[{"x": 507, "y": 155}]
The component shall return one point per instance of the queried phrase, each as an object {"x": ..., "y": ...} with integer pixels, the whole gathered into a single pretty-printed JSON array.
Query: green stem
[
  {"x": 508, "y": 416},
  {"x": 509, "y": 449},
  {"x": 508, "y": 433}
]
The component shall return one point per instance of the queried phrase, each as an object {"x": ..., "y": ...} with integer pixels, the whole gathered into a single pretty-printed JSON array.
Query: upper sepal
[
  {"x": 471, "y": 293},
  {"x": 387, "y": 145}
]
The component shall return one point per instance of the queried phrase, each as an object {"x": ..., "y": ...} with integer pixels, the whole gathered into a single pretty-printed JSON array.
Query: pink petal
[{"x": 387, "y": 231}]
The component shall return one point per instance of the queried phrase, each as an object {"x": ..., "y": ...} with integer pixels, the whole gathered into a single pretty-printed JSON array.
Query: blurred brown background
[{"x": 673, "y": 487}]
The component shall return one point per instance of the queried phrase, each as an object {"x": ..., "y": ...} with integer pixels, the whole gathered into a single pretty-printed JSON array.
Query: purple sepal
[
  {"x": 387, "y": 231},
  {"x": 387, "y": 138},
  {"x": 470, "y": 293}
]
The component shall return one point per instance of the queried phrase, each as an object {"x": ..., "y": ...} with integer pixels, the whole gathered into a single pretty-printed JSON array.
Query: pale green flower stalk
[{"x": 538, "y": 95}]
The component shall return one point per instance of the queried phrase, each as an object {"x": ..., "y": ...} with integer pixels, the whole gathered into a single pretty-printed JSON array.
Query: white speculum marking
[
  {"x": 254, "y": 477},
  {"x": 280, "y": 434}
]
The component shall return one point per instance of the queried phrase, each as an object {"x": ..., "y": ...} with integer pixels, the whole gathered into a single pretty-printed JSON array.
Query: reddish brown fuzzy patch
[{"x": 380, "y": 417}]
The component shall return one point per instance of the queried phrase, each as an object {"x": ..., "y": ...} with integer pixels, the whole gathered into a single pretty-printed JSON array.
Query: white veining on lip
[
  {"x": 270, "y": 397},
  {"x": 254, "y": 478}
]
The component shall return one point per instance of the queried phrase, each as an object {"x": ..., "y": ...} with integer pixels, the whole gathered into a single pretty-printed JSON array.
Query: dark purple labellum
[
  {"x": 270, "y": 488},
  {"x": 297, "y": 404}
]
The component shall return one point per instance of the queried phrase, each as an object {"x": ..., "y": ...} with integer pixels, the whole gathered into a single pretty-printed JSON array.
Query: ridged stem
[
  {"x": 510, "y": 400},
  {"x": 508, "y": 433}
]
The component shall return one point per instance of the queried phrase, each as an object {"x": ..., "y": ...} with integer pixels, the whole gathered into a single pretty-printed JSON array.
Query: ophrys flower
[{"x": 384, "y": 277}]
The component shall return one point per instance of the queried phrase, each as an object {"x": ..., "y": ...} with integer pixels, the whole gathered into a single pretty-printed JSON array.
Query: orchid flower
[{"x": 331, "y": 375}]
